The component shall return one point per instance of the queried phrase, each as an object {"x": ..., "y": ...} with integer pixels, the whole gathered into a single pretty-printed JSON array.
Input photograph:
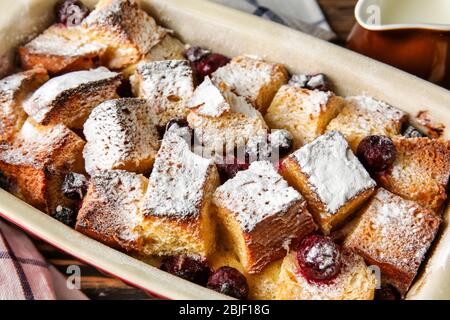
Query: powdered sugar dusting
[
  {"x": 333, "y": 171},
  {"x": 383, "y": 110},
  {"x": 208, "y": 100},
  {"x": 177, "y": 185},
  {"x": 256, "y": 194}
]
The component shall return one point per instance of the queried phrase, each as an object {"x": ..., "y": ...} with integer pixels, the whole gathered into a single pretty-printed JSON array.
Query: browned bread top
[
  {"x": 178, "y": 181},
  {"x": 332, "y": 170},
  {"x": 110, "y": 210},
  {"x": 121, "y": 24},
  {"x": 62, "y": 89},
  {"x": 256, "y": 194},
  {"x": 13, "y": 90}
]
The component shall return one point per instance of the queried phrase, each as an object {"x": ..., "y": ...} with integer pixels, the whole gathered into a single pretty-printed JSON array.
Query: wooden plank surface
[{"x": 99, "y": 286}]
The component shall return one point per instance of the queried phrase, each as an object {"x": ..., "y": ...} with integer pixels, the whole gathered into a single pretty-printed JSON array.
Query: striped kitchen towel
[
  {"x": 25, "y": 275},
  {"x": 303, "y": 15}
]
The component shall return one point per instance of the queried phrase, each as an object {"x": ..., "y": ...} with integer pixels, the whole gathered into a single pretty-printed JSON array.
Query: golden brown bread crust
[
  {"x": 13, "y": 91},
  {"x": 60, "y": 50},
  {"x": 421, "y": 171},
  {"x": 110, "y": 210},
  {"x": 37, "y": 162},
  {"x": 394, "y": 234}
]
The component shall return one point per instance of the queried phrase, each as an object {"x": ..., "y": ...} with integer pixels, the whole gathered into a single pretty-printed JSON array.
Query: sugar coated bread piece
[
  {"x": 167, "y": 86},
  {"x": 364, "y": 116},
  {"x": 128, "y": 31},
  {"x": 36, "y": 163},
  {"x": 354, "y": 282},
  {"x": 70, "y": 98},
  {"x": 252, "y": 78},
  {"x": 221, "y": 119},
  {"x": 110, "y": 211},
  {"x": 61, "y": 49},
  {"x": 120, "y": 135},
  {"x": 330, "y": 177},
  {"x": 421, "y": 171},
  {"x": 177, "y": 208},
  {"x": 13, "y": 91},
  {"x": 304, "y": 113},
  {"x": 262, "y": 216},
  {"x": 394, "y": 234}
]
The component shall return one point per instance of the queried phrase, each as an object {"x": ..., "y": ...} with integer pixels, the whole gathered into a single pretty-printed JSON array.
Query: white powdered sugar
[
  {"x": 256, "y": 194},
  {"x": 384, "y": 111},
  {"x": 333, "y": 171},
  {"x": 208, "y": 100},
  {"x": 322, "y": 253},
  {"x": 117, "y": 132},
  {"x": 10, "y": 85},
  {"x": 177, "y": 187},
  {"x": 41, "y": 102}
]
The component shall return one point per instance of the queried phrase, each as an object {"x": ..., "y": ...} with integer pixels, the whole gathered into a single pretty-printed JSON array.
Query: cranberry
[
  {"x": 319, "y": 259},
  {"x": 194, "y": 54},
  {"x": 229, "y": 281},
  {"x": 74, "y": 186},
  {"x": 412, "y": 132},
  {"x": 209, "y": 64},
  {"x": 230, "y": 167},
  {"x": 376, "y": 153},
  {"x": 65, "y": 215},
  {"x": 312, "y": 82},
  {"x": 71, "y": 12},
  {"x": 188, "y": 268},
  {"x": 387, "y": 292}
]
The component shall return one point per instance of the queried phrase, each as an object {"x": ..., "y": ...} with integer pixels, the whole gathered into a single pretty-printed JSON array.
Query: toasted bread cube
[
  {"x": 37, "y": 162},
  {"x": 177, "y": 207},
  {"x": 120, "y": 135},
  {"x": 70, "y": 98},
  {"x": 420, "y": 172},
  {"x": 61, "y": 49},
  {"x": 128, "y": 31},
  {"x": 222, "y": 120},
  {"x": 13, "y": 91},
  {"x": 261, "y": 215},
  {"x": 304, "y": 113},
  {"x": 330, "y": 177},
  {"x": 364, "y": 116},
  {"x": 110, "y": 210},
  {"x": 167, "y": 85},
  {"x": 354, "y": 282},
  {"x": 394, "y": 234},
  {"x": 252, "y": 78}
]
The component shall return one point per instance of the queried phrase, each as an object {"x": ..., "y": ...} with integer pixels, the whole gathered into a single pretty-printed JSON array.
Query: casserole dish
[{"x": 231, "y": 32}]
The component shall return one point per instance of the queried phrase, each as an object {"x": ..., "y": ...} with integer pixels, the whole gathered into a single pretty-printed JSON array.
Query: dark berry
[
  {"x": 209, "y": 64},
  {"x": 188, "y": 268},
  {"x": 387, "y": 292},
  {"x": 412, "y": 132},
  {"x": 376, "y": 153},
  {"x": 74, "y": 186},
  {"x": 71, "y": 12},
  {"x": 229, "y": 167},
  {"x": 65, "y": 215},
  {"x": 194, "y": 54},
  {"x": 125, "y": 90},
  {"x": 229, "y": 281},
  {"x": 319, "y": 259},
  {"x": 311, "y": 82},
  {"x": 281, "y": 141}
]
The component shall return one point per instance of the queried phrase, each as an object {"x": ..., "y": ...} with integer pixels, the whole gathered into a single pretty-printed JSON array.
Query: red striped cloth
[{"x": 24, "y": 273}]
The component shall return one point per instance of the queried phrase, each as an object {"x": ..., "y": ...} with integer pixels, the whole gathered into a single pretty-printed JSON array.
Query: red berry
[
  {"x": 376, "y": 153},
  {"x": 194, "y": 54},
  {"x": 188, "y": 268},
  {"x": 229, "y": 281},
  {"x": 230, "y": 167},
  {"x": 319, "y": 259},
  {"x": 209, "y": 64},
  {"x": 71, "y": 12}
]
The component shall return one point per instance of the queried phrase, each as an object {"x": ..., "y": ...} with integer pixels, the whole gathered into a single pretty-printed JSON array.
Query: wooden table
[{"x": 99, "y": 286}]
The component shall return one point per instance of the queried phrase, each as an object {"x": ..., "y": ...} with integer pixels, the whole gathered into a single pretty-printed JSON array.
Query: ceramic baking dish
[{"x": 230, "y": 32}]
